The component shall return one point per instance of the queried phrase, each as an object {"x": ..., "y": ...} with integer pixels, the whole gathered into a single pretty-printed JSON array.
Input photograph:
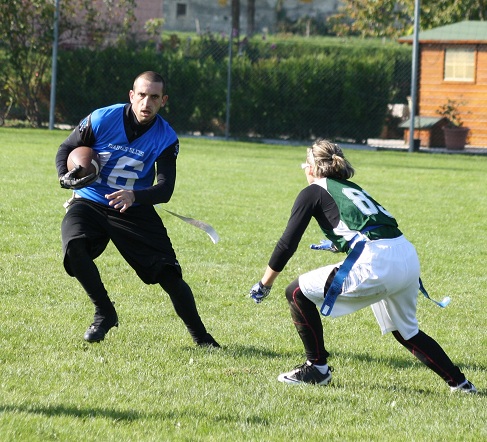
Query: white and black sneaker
[
  {"x": 465, "y": 387},
  {"x": 306, "y": 374}
]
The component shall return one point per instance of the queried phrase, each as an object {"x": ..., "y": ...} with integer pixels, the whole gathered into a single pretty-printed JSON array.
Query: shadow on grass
[
  {"x": 127, "y": 416},
  {"x": 244, "y": 351},
  {"x": 403, "y": 361},
  {"x": 399, "y": 362},
  {"x": 84, "y": 413},
  {"x": 252, "y": 351},
  {"x": 397, "y": 387}
]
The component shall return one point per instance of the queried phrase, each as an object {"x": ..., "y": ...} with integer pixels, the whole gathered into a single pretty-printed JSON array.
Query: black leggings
[
  {"x": 183, "y": 301},
  {"x": 430, "y": 353},
  {"x": 308, "y": 324},
  {"x": 86, "y": 272},
  {"x": 307, "y": 321}
]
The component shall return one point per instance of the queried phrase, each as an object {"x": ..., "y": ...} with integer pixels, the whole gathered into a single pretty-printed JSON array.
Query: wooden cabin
[{"x": 453, "y": 65}]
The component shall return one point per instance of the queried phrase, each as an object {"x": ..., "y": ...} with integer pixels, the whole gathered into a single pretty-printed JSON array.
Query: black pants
[
  {"x": 307, "y": 320},
  {"x": 142, "y": 240},
  {"x": 138, "y": 234}
]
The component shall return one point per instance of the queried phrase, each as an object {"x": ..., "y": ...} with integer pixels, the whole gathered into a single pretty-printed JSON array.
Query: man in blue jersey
[
  {"x": 136, "y": 147},
  {"x": 381, "y": 270}
]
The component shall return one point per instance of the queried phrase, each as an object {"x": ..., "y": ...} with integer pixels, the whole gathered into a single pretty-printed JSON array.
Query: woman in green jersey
[{"x": 381, "y": 270}]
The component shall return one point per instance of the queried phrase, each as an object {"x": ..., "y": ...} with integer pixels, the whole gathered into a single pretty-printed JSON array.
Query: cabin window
[
  {"x": 180, "y": 10},
  {"x": 459, "y": 64}
]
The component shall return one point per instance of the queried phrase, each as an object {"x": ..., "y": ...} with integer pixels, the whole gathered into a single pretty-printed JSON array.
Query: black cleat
[
  {"x": 101, "y": 326},
  {"x": 465, "y": 387},
  {"x": 96, "y": 333},
  {"x": 306, "y": 374},
  {"x": 207, "y": 341}
]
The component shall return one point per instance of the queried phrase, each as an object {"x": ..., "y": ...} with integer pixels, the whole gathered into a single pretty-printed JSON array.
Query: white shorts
[{"x": 385, "y": 276}]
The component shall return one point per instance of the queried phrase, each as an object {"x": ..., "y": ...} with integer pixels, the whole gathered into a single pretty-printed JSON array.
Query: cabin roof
[{"x": 468, "y": 31}]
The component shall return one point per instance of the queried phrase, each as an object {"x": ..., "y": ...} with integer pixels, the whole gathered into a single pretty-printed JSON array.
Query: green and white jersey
[
  {"x": 359, "y": 214},
  {"x": 342, "y": 209}
]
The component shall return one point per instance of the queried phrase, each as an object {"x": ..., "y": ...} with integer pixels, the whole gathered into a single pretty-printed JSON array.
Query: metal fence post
[
  {"x": 52, "y": 104},
  {"x": 414, "y": 76},
  {"x": 229, "y": 83}
]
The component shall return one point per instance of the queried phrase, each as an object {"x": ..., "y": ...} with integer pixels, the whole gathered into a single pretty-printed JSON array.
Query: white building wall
[{"x": 215, "y": 15}]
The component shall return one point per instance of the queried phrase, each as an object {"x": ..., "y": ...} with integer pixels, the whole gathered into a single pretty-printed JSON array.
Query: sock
[{"x": 323, "y": 369}]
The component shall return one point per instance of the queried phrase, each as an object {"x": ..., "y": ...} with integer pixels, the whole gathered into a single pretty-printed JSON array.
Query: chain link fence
[
  {"x": 263, "y": 88},
  {"x": 283, "y": 88}
]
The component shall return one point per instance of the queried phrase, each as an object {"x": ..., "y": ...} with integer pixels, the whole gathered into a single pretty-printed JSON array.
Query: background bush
[{"x": 296, "y": 89}]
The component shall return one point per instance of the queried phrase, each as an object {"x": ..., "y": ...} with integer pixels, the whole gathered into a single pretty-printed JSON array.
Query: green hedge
[
  {"x": 326, "y": 91},
  {"x": 88, "y": 79}
]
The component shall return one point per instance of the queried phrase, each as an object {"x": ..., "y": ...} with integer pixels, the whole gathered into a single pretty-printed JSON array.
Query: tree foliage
[
  {"x": 27, "y": 35},
  {"x": 393, "y": 18},
  {"x": 26, "y": 32}
]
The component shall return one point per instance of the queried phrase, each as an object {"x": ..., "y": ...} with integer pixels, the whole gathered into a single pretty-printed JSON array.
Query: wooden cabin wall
[{"x": 433, "y": 91}]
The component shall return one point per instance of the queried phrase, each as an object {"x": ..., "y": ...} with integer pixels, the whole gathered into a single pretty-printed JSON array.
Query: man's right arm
[{"x": 82, "y": 135}]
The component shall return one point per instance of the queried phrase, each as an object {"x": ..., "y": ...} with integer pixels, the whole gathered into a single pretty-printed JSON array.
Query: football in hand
[{"x": 87, "y": 158}]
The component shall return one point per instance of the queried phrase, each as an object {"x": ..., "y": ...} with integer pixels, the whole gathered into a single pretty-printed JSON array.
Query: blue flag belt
[
  {"x": 443, "y": 303},
  {"x": 336, "y": 285}
]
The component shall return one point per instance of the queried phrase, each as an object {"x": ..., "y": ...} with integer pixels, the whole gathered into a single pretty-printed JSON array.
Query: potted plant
[{"x": 455, "y": 132}]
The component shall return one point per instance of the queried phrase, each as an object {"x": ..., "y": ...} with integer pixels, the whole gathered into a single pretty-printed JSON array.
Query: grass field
[{"x": 147, "y": 381}]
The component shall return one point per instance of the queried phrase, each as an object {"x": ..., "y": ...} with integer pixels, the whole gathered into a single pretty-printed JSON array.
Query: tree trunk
[
  {"x": 250, "y": 17},
  {"x": 236, "y": 19}
]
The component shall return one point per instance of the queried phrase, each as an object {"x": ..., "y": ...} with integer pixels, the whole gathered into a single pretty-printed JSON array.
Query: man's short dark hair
[{"x": 153, "y": 77}]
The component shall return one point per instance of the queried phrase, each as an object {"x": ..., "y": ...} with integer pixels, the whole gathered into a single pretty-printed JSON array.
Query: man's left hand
[{"x": 121, "y": 199}]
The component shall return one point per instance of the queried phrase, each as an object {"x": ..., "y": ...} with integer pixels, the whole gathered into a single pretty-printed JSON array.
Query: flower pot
[{"x": 455, "y": 137}]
